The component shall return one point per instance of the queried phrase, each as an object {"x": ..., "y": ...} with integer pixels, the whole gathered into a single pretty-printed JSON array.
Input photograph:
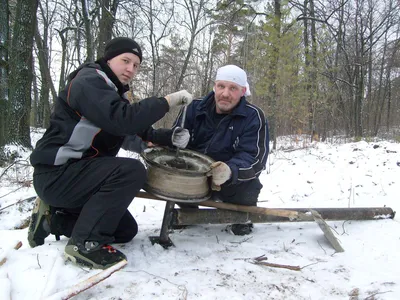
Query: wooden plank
[
  {"x": 291, "y": 214},
  {"x": 327, "y": 231},
  {"x": 221, "y": 216}
]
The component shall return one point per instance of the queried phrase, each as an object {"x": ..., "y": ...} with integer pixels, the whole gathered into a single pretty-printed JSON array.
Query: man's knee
[
  {"x": 134, "y": 166},
  {"x": 244, "y": 194},
  {"x": 133, "y": 170}
]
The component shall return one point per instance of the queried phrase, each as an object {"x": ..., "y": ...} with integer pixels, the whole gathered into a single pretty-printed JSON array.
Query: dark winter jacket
[
  {"x": 240, "y": 139},
  {"x": 92, "y": 118}
]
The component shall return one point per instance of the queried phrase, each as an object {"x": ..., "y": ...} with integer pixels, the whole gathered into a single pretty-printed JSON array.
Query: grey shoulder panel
[{"x": 80, "y": 140}]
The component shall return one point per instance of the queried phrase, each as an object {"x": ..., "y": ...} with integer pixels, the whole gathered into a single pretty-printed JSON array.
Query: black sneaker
[
  {"x": 240, "y": 229},
  {"x": 92, "y": 254},
  {"x": 39, "y": 227}
]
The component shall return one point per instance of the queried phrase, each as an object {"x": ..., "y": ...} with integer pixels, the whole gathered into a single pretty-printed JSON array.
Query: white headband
[{"x": 234, "y": 74}]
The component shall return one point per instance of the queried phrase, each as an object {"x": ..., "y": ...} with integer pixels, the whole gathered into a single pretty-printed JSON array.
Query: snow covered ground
[{"x": 208, "y": 262}]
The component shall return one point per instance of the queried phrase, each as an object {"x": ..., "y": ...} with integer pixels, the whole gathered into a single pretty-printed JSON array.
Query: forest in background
[{"x": 322, "y": 68}]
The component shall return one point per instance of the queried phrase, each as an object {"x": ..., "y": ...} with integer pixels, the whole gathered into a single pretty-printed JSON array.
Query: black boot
[
  {"x": 240, "y": 229},
  {"x": 39, "y": 227}
]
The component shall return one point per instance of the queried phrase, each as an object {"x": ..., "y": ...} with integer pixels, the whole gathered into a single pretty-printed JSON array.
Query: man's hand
[
  {"x": 180, "y": 137},
  {"x": 179, "y": 98},
  {"x": 220, "y": 173}
]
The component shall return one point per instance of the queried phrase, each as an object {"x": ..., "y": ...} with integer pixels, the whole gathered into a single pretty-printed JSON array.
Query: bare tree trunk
[
  {"x": 307, "y": 64},
  {"x": 106, "y": 24},
  {"x": 370, "y": 99},
  {"x": 195, "y": 12},
  {"x": 389, "y": 105},
  {"x": 313, "y": 74},
  {"x": 63, "y": 76},
  {"x": 380, "y": 94},
  {"x": 273, "y": 72},
  {"x": 206, "y": 82},
  {"x": 88, "y": 32},
  {"x": 359, "y": 72},
  {"x": 4, "y": 38},
  {"x": 35, "y": 102},
  {"x": 47, "y": 81},
  {"x": 20, "y": 85},
  {"x": 158, "y": 31}
]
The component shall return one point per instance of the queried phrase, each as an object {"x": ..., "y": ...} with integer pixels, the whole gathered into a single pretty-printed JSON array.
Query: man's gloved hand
[
  {"x": 220, "y": 173},
  {"x": 179, "y": 98},
  {"x": 180, "y": 137}
]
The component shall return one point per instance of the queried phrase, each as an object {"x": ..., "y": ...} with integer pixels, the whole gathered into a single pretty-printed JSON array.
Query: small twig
[
  {"x": 321, "y": 247},
  {"x": 333, "y": 229},
  {"x": 16, "y": 247},
  {"x": 180, "y": 286},
  {"x": 344, "y": 231},
  {"x": 37, "y": 259},
  {"x": 15, "y": 203},
  {"x": 372, "y": 297},
  {"x": 23, "y": 186},
  {"x": 216, "y": 236},
  {"x": 260, "y": 258},
  {"x": 12, "y": 164},
  {"x": 309, "y": 265},
  {"x": 260, "y": 261},
  {"x": 6, "y": 169},
  {"x": 242, "y": 241}
]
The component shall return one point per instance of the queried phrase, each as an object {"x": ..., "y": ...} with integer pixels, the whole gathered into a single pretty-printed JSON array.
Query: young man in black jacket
[{"x": 84, "y": 190}]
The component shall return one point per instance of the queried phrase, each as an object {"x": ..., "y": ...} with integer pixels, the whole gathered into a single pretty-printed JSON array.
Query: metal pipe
[{"x": 182, "y": 125}]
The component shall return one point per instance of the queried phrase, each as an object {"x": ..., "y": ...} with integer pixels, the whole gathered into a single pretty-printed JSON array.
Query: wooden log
[
  {"x": 220, "y": 216},
  {"x": 291, "y": 214},
  {"x": 88, "y": 283},
  {"x": 264, "y": 215}
]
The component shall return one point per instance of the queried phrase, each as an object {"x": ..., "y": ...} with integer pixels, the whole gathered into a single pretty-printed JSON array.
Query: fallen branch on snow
[
  {"x": 260, "y": 260},
  {"x": 88, "y": 283},
  {"x": 294, "y": 268},
  {"x": 19, "y": 201}
]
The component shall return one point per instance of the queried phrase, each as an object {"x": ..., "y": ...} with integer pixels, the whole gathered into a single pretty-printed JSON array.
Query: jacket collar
[
  {"x": 208, "y": 103},
  {"x": 110, "y": 74}
]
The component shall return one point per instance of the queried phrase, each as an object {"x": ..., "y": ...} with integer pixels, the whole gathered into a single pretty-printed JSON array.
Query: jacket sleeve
[
  {"x": 251, "y": 150},
  {"x": 94, "y": 99},
  {"x": 133, "y": 143},
  {"x": 161, "y": 136}
]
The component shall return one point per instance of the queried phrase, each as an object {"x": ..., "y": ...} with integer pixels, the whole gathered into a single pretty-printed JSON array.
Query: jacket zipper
[{"x": 216, "y": 130}]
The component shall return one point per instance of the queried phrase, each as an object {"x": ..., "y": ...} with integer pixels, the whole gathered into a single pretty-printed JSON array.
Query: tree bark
[
  {"x": 88, "y": 32},
  {"x": 106, "y": 24},
  {"x": 4, "y": 38},
  {"x": 47, "y": 81},
  {"x": 20, "y": 84}
]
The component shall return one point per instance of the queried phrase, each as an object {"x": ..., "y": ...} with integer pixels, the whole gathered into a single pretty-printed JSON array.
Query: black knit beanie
[{"x": 121, "y": 45}]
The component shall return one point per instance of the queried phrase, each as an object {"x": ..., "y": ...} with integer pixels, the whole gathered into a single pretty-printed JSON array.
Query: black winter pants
[
  {"x": 244, "y": 193},
  {"x": 101, "y": 189}
]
